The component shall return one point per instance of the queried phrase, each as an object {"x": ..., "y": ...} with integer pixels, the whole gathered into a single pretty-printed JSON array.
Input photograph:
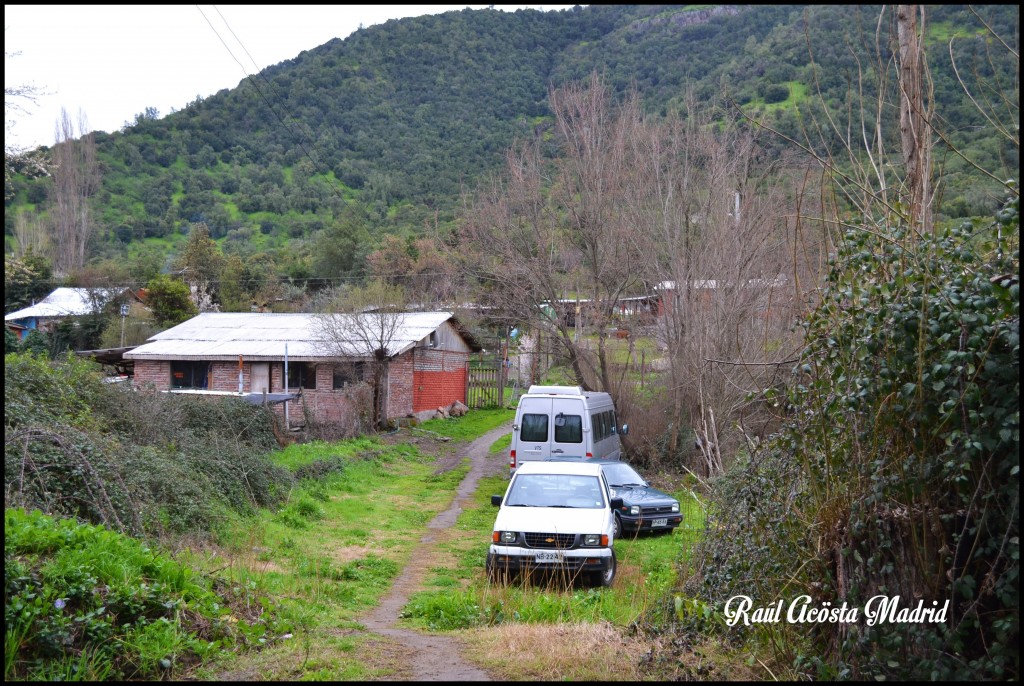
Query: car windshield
[
  {"x": 621, "y": 474},
  {"x": 555, "y": 490}
]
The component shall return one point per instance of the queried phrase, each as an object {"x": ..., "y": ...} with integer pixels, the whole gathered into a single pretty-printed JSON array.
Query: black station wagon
[{"x": 644, "y": 508}]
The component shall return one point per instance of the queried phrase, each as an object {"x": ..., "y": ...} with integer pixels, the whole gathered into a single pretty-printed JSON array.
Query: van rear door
[
  {"x": 551, "y": 427},
  {"x": 567, "y": 431},
  {"x": 534, "y": 429}
]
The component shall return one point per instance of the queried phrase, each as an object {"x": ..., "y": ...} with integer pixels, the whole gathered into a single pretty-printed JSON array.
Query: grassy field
[{"x": 302, "y": 576}]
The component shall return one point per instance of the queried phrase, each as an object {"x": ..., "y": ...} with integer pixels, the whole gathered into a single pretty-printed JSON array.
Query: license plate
[
  {"x": 659, "y": 522},
  {"x": 549, "y": 556}
]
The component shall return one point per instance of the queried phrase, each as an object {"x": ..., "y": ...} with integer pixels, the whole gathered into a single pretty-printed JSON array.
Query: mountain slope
[{"x": 399, "y": 119}]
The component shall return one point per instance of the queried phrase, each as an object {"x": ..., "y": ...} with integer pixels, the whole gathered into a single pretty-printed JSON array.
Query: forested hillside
[{"x": 380, "y": 133}]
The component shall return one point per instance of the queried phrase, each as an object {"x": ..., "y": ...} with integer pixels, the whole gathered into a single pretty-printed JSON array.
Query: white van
[{"x": 564, "y": 422}]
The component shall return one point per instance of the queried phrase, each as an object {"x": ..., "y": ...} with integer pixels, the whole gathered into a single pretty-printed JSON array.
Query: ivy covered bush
[
  {"x": 897, "y": 472},
  {"x": 138, "y": 462}
]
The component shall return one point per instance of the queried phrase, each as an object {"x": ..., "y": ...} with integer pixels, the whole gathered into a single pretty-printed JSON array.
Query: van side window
[
  {"x": 606, "y": 425},
  {"x": 615, "y": 424},
  {"x": 598, "y": 422},
  {"x": 571, "y": 431},
  {"x": 534, "y": 428}
]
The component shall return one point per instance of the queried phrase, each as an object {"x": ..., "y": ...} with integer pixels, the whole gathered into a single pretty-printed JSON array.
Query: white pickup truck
[{"x": 555, "y": 518}]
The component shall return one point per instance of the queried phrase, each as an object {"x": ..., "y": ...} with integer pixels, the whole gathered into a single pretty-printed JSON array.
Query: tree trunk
[{"x": 915, "y": 136}]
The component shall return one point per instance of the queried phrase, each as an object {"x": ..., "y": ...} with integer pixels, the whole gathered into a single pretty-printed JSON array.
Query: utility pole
[{"x": 125, "y": 308}]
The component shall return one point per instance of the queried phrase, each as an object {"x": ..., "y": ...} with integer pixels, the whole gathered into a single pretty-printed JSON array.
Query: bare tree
[
  {"x": 31, "y": 234},
  {"x": 363, "y": 323},
  {"x": 554, "y": 232},
  {"x": 630, "y": 203},
  {"x": 715, "y": 216},
  {"x": 76, "y": 179},
  {"x": 915, "y": 135}
]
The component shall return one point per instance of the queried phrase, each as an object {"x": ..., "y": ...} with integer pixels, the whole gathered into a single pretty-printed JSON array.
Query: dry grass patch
[
  {"x": 384, "y": 658},
  {"x": 556, "y": 652},
  {"x": 348, "y": 553}
]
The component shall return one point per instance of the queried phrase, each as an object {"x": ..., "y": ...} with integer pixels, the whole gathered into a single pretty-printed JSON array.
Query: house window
[
  {"x": 345, "y": 374},
  {"x": 301, "y": 375},
  {"x": 190, "y": 374}
]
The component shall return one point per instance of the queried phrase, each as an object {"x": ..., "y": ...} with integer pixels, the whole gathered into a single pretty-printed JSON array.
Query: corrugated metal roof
[
  {"x": 256, "y": 336},
  {"x": 64, "y": 302}
]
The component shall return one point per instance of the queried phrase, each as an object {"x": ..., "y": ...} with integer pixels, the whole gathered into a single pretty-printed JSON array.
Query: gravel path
[{"x": 433, "y": 657}]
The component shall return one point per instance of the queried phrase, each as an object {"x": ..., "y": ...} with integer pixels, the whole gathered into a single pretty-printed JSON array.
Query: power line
[{"x": 317, "y": 165}]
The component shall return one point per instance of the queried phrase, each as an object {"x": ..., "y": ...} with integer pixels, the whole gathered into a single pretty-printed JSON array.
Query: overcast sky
[{"x": 112, "y": 62}]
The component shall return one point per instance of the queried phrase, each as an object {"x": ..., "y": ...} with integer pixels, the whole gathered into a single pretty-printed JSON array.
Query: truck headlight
[
  {"x": 504, "y": 537},
  {"x": 634, "y": 510},
  {"x": 594, "y": 540},
  {"x": 675, "y": 507}
]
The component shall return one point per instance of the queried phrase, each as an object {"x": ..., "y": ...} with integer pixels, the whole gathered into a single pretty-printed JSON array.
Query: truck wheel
[
  {"x": 617, "y": 531},
  {"x": 607, "y": 577}
]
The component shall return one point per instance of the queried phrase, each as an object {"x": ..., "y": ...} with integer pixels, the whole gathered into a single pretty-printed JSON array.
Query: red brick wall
[
  {"x": 152, "y": 373},
  {"x": 438, "y": 389},
  {"x": 340, "y": 406},
  {"x": 440, "y": 378},
  {"x": 224, "y": 376},
  {"x": 400, "y": 389}
]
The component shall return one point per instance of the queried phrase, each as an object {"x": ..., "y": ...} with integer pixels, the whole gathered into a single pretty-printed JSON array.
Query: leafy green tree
[
  {"x": 338, "y": 248},
  {"x": 234, "y": 296},
  {"x": 170, "y": 300},
  {"x": 36, "y": 342},
  {"x": 11, "y": 343},
  {"x": 26, "y": 280},
  {"x": 200, "y": 264}
]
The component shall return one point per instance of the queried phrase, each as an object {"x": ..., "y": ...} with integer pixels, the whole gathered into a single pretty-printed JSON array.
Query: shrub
[
  {"x": 138, "y": 462},
  {"x": 897, "y": 472}
]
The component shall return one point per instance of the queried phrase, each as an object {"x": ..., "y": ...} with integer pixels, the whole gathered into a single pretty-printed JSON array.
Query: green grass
[
  {"x": 283, "y": 590},
  {"x": 459, "y": 595},
  {"x": 333, "y": 551},
  {"x": 86, "y": 603},
  {"x": 502, "y": 445},
  {"x": 944, "y": 31},
  {"x": 302, "y": 454},
  {"x": 797, "y": 94},
  {"x": 473, "y": 424}
]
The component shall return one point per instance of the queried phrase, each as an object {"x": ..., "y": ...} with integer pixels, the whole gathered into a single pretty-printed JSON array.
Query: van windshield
[{"x": 555, "y": 490}]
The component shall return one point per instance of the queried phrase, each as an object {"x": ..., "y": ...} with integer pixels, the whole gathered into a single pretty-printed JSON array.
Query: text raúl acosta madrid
[{"x": 802, "y": 610}]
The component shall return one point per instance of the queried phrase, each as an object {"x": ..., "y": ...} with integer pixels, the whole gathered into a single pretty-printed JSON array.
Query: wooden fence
[{"x": 486, "y": 386}]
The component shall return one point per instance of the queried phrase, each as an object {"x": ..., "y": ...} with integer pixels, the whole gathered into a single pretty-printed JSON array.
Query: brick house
[{"x": 244, "y": 354}]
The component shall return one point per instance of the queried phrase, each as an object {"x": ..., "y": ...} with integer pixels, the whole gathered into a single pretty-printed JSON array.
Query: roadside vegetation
[{"x": 274, "y": 589}]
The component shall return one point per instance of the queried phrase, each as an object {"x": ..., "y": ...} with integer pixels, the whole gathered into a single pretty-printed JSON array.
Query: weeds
[{"x": 86, "y": 603}]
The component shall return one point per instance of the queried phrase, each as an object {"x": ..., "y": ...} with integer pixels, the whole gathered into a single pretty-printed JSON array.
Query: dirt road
[{"x": 430, "y": 657}]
